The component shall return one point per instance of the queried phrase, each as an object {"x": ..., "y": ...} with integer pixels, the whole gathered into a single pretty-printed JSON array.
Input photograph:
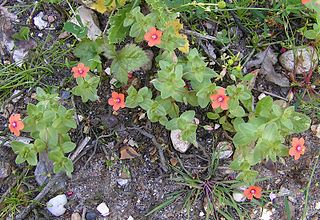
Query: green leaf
[
  {"x": 39, "y": 145},
  {"x": 23, "y": 34},
  {"x": 245, "y": 135},
  {"x": 238, "y": 112},
  {"x": 87, "y": 88},
  {"x": 77, "y": 30},
  {"x": 32, "y": 158},
  {"x": 264, "y": 106},
  {"x": 213, "y": 116},
  {"x": 270, "y": 133},
  {"x": 118, "y": 31},
  {"x": 128, "y": 59},
  {"x": 67, "y": 147},
  {"x": 89, "y": 53},
  {"x": 300, "y": 122}
]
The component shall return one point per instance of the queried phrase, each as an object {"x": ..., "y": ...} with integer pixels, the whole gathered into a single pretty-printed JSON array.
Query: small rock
[
  {"x": 40, "y": 35},
  {"x": 283, "y": 192},
  {"x": 75, "y": 216},
  {"x": 316, "y": 130},
  {"x": 261, "y": 96},
  {"x": 63, "y": 35},
  {"x": 266, "y": 214},
  {"x": 272, "y": 196},
  {"x": 103, "y": 209},
  {"x": 130, "y": 218},
  {"x": 300, "y": 60},
  {"x": 56, "y": 205},
  {"x": 5, "y": 169},
  {"x": 238, "y": 197},
  {"x": 51, "y": 18},
  {"x": 39, "y": 22},
  {"x": 108, "y": 71},
  {"x": 179, "y": 144},
  {"x": 317, "y": 207},
  {"x": 90, "y": 20},
  {"x": 224, "y": 149},
  {"x": 16, "y": 92},
  {"x": 91, "y": 216},
  {"x": 122, "y": 182},
  {"x": 201, "y": 214},
  {"x": 216, "y": 126}
]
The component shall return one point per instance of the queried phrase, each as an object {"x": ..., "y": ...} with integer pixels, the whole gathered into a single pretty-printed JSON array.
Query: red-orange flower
[
  {"x": 219, "y": 99},
  {"x": 305, "y": 1},
  {"x": 153, "y": 36},
  {"x": 297, "y": 148},
  {"x": 80, "y": 71},
  {"x": 252, "y": 191},
  {"x": 15, "y": 124},
  {"x": 117, "y": 101}
]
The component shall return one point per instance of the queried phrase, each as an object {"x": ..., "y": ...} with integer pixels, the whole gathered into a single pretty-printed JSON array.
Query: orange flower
[
  {"x": 297, "y": 148},
  {"x": 153, "y": 36},
  {"x": 117, "y": 101},
  {"x": 15, "y": 124},
  {"x": 305, "y": 1},
  {"x": 80, "y": 71},
  {"x": 219, "y": 99},
  {"x": 252, "y": 191}
]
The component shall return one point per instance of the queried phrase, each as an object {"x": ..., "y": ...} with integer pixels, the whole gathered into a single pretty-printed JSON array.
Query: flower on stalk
[
  {"x": 153, "y": 36},
  {"x": 80, "y": 70},
  {"x": 252, "y": 191},
  {"x": 297, "y": 148},
  {"x": 219, "y": 99},
  {"x": 117, "y": 101},
  {"x": 15, "y": 124}
]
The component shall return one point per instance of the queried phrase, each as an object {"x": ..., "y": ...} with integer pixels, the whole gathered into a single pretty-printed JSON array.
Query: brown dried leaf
[{"x": 128, "y": 153}]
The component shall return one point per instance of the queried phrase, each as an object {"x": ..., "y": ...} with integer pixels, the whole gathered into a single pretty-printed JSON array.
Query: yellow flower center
[{"x": 117, "y": 100}]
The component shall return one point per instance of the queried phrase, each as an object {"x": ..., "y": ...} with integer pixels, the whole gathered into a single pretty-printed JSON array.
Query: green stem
[{"x": 305, "y": 208}]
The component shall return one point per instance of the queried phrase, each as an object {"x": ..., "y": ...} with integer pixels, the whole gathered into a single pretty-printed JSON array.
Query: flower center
[
  {"x": 154, "y": 36},
  {"x": 253, "y": 191},
  {"x": 299, "y": 148},
  {"x": 117, "y": 100},
  {"x": 14, "y": 124},
  {"x": 81, "y": 71},
  {"x": 220, "y": 99}
]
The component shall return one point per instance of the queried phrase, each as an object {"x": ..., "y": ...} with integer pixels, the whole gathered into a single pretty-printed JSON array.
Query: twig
[
  {"x": 3, "y": 3},
  {"x": 106, "y": 27},
  {"x": 95, "y": 147},
  {"x": 272, "y": 94},
  {"x": 201, "y": 36},
  {"x": 32, "y": 12},
  {"x": 238, "y": 22},
  {"x": 52, "y": 182},
  {"x": 80, "y": 148},
  {"x": 155, "y": 142}
]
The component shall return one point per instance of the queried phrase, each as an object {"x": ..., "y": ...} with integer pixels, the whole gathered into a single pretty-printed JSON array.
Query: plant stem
[{"x": 305, "y": 208}]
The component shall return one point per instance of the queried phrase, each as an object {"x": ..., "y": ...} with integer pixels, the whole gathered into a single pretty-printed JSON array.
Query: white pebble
[
  {"x": 56, "y": 205},
  {"x": 103, "y": 209}
]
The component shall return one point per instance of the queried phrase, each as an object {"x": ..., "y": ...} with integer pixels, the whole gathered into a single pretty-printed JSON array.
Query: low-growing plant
[{"x": 48, "y": 123}]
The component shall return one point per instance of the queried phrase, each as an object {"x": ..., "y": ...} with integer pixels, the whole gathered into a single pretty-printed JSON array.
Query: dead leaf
[
  {"x": 173, "y": 161},
  {"x": 266, "y": 61},
  {"x": 128, "y": 153}
]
